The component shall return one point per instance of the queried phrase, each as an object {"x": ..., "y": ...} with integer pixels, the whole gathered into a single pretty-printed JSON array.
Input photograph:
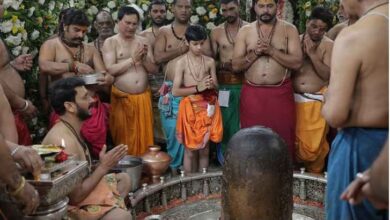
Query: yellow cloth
[
  {"x": 311, "y": 130},
  {"x": 131, "y": 120},
  {"x": 101, "y": 200},
  {"x": 194, "y": 128}
]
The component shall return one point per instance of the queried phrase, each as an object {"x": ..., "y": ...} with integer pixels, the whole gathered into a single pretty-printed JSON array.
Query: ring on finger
[{"x": 359, "y": 175}]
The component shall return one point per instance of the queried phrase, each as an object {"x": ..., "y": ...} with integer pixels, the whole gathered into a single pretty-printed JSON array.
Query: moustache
[{"x": 266, "y": 14}]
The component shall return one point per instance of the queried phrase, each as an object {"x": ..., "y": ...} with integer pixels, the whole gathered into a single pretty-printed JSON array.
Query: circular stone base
[{"x": 202, "y": 210}]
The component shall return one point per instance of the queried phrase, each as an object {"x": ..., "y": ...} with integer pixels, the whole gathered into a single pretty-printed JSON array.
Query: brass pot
[{"x": 156, "y": 162}]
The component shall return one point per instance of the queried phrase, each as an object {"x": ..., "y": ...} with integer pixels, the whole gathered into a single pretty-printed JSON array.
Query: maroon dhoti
[
  {"x": 272, "y": 107},
  {"x": 23, "y": 132}
]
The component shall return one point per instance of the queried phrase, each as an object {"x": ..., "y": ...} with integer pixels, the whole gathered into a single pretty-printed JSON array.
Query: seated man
[
  {"x": 99, "y": 196},
  {"x": 199, "y": 119}
]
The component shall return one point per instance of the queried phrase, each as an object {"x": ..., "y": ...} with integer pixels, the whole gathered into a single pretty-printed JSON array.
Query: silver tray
[{"x": 54, "y": 190}]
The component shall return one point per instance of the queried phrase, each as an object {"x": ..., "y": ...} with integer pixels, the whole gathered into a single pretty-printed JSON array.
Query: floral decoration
[{"x": 305, "y": 6}]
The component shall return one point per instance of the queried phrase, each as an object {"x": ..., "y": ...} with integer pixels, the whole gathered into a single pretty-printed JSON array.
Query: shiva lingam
[
  {"x": 156, "y": 162},
  {"x": 264, "y": 182},
  {"x": 57, "y": 180},
  {"x": 262, "y": 187}
]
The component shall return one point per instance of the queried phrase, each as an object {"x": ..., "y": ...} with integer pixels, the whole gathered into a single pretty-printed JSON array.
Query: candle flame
[{"x": 62, "y": 142}]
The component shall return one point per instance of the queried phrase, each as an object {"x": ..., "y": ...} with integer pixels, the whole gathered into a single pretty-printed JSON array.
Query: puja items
[
  {"x": 60, "y": 175},
  {"x": 156, "y": 162}
]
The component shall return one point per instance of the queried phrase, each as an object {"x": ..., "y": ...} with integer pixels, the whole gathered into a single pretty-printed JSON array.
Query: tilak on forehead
[{"x": 266, "y": 2}]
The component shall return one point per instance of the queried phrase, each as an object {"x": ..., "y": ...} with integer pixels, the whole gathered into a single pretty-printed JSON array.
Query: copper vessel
[{"x": 156, "y": 162}]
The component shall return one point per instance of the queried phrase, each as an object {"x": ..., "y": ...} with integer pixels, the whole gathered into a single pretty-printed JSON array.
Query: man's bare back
[
  {"x": 334, "y": 31},
  {"x": 134, "y": 80},
  {"x": 358, "y": 89},
  {"x": 266, "y": 70},
  {"x": 306, "y": 79}
]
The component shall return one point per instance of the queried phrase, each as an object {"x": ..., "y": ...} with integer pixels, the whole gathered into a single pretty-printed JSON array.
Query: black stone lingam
[{"x": 257, "y": 177}]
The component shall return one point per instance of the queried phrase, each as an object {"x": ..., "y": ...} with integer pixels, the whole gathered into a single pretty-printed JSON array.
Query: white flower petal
[
  {"x": 210, "y": 25},
  {"x": 194, "y": 19},
  {"x": 34, "y": 35},
  {"x": 201, "y": 10},
  {"x": 16, "y": 50},
  {"x": 111, "y": 4}
]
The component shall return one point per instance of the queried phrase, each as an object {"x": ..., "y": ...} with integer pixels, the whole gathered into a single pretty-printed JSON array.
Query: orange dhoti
[
  {"x": 131, "y": 120},
  {"x": 103, "y": 198},
  {"x": 199, "y": 120},
  {"x": 311, "y": 130}
]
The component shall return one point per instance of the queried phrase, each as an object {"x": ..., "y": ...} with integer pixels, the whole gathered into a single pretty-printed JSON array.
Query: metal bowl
[
  {"x": 90, "y": 79},
  {"x": 133, "y": 167}
]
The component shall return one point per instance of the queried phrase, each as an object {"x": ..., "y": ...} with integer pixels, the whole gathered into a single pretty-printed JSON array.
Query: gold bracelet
[{"x": 19, "y": 188}]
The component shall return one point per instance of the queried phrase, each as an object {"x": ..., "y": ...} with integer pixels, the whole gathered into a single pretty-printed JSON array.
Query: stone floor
[{"x": 202, "y": 210}]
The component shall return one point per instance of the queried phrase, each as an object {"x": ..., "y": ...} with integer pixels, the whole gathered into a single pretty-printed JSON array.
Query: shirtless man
[
  {"x": 65, "y": 56},
  {"x": 357, "y": 103},
  {"x": 13, "y": 86},
  {"x": 309, "y": 83},
  {"x": 222, "y": 42},
  {"x": 104, "y": 25},
  {"x": 350, "y": 20},
  {"x": 25, "y": 156},
  {"x": 128, "y": 58},
  {"x": 157, "y": 12},
  {"x": 44, "y": 79},
  {"x": 71, "y": 100},
  {"x": 170, "y": 44},
  {"x": 199, "y": 119},
  {"x": 267, "y": 93}
]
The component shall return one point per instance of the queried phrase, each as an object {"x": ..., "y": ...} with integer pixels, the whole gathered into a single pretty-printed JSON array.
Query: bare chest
[
  {"x": 225, "y": 44},
  {"x": 66, "y": 55},
  {"x": 173, "y": 42},
  {"x": 195, "y": 73},
  {"x": 127, "y": 50},
  {"x": 278, "y": 39}
]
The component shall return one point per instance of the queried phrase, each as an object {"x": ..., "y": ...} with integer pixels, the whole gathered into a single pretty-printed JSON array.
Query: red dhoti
[
  {"x": 23, "y": 132},
  {"x": 272, "y": 107}
]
